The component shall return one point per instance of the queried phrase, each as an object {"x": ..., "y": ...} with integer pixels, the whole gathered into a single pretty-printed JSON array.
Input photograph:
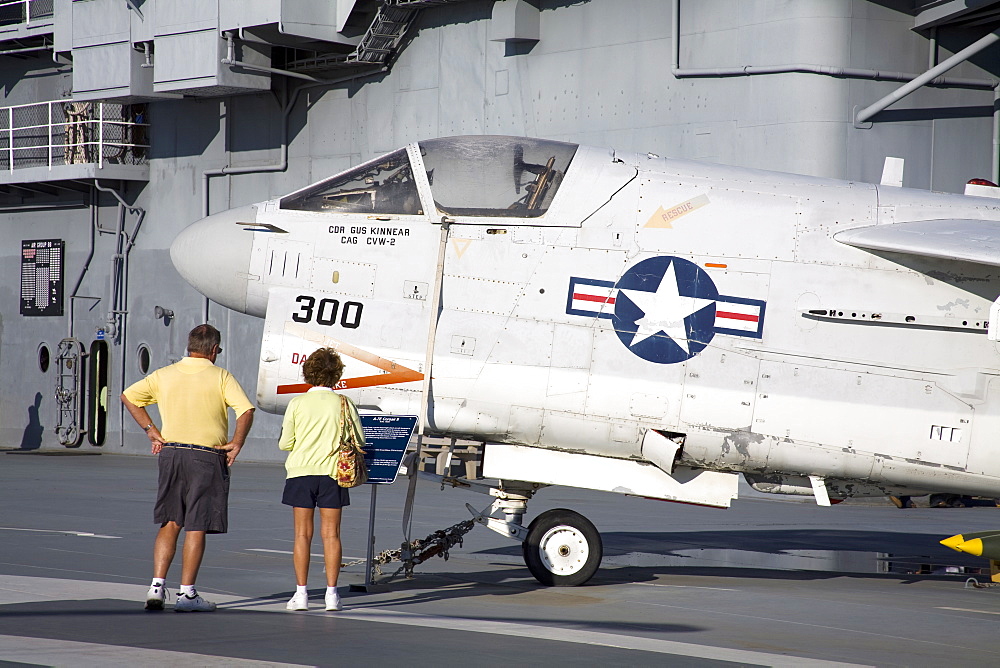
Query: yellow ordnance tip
[
  {"x": 954, "y": 542},
  {"x": 976, "y": 543},
  {"x": 973, "y": 547}
]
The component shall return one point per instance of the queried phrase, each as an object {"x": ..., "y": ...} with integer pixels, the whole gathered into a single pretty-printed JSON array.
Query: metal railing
[
  {"x": 70, "y": 133},
  {"x": 13, "y": 12}
]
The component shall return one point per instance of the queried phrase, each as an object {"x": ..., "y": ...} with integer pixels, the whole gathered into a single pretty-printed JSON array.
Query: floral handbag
[{"x": 348, "y": 456}]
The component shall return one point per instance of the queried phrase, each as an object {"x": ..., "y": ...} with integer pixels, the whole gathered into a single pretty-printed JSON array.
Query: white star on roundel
[{"x": 665, "y": 310}]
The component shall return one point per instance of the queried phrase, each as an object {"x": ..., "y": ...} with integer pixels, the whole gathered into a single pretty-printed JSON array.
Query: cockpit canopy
[
  {"x": 512, "y": 177},
  {"x": 383, "y": 185},
  {"x": 490, "y": 176}
]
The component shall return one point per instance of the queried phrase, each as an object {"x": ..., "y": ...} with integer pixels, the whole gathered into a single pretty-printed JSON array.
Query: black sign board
[
  {"x": 42, "y": 277},
  {"x": 386, "y": 437}
]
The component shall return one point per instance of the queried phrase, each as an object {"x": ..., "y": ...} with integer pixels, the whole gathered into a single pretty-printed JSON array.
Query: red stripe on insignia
[
  {"x": 593, "y": 298},
  {"x": 737, "y": 316}
]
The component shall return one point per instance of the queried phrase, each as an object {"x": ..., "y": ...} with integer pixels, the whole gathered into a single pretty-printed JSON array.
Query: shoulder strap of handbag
[
  {"x": 346, "y": 423},
  {"x": 336, "y": 445}
]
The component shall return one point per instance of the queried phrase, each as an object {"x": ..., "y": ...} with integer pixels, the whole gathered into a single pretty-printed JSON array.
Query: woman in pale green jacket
[{"x": 309, "y": 432}]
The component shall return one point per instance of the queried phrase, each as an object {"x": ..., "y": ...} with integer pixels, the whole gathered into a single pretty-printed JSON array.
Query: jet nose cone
[{"x": 213, "y": 255}]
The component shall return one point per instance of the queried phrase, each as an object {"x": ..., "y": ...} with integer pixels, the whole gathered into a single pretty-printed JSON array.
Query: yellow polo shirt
[{"x": 192, "y": 396}]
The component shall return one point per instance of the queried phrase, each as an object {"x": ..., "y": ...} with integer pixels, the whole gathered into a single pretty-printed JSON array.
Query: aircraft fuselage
[{"x": 633, "y": 294}]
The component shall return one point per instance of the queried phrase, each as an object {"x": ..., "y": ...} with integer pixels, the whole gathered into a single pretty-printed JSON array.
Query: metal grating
[{"x": 379, "y": 42}]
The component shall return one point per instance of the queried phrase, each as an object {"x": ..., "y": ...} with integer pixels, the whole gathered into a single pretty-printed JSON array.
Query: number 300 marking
[{"x": 326, "y": 312}]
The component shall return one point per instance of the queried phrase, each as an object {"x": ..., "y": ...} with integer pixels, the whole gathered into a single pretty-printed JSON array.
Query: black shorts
[
  {"x": 315, "y": 491},
  {"x": 193, "y": 489}
]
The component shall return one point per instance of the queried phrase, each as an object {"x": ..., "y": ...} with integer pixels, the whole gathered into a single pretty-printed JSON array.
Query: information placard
[
  {"x": 42, "y": 277},
  {"x": 386, "y": 438}
]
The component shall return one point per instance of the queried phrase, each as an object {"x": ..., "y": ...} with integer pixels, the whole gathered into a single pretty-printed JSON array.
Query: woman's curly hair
[{"x": 323, "y": 368}]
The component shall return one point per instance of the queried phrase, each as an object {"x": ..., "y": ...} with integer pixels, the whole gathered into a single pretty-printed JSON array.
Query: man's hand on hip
[
  {"x": 231, "y": 449},
  {"x": 155, "y": 439}
]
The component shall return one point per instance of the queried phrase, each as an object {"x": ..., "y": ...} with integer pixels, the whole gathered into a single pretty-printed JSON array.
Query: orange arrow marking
[
  {"x": 394, "y": 373},
  {"x": 662, "y": 217}
]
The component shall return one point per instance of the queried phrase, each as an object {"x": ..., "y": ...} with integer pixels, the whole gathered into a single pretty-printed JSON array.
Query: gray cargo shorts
[{"x": 193, "y": 488}]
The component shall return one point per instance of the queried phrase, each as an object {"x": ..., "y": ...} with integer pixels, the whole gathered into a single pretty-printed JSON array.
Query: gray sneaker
[
  {"x": 196, "y": 603},
  {"x": 155, "y": 597}
]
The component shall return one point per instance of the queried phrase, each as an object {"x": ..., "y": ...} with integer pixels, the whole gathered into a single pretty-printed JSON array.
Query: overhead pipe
[
  {"x": 147, "y": 52},
  {"x": 231, "y": 61},
  {"x": 45, "y": 206},
  {"x": 86, "y": 265},
  {"x": 27, "y": 49},
  {"x": 119, "y": 294},
  {"x": 270, "y": 70},
  {"x": 802, "y": 68},
  {"x": 932, "y": 48},
  {"x": 929, "y": 76}
]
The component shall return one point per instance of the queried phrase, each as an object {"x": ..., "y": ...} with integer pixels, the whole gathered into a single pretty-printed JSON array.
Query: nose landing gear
[{"x": 563, "y": 548}]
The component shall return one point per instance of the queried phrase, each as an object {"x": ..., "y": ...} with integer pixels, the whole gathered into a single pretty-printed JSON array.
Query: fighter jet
[{"x": 633, "y": 324}]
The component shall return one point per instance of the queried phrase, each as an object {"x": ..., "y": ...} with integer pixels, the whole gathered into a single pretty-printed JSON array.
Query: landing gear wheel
[
  {"x": 946, "y": 501},
  {"x": 563, "y": 548}
]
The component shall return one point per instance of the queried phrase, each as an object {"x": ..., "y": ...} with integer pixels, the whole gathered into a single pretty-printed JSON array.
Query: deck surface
[{"x": 771, "y": 581}]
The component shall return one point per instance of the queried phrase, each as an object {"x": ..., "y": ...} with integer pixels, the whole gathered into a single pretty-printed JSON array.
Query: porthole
[
  {"x": 143, "y": 358},
  {"x": 43, "y": 357}
]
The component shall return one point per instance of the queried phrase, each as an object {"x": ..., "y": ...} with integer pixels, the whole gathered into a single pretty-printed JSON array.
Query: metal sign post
[{"x": 386, "y": 438}]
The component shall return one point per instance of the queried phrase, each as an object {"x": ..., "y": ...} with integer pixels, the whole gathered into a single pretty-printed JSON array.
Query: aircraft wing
[{"x": 949, "y": 239}]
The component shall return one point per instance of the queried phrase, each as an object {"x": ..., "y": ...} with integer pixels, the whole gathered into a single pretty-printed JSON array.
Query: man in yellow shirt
[{"x": 195, "y": 454}]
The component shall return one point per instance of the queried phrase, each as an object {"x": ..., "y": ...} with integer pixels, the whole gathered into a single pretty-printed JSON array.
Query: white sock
[
  {"x": 301, "y": 589},
  {"x": 188, "y": 590},
  {"x": 158, "y": 582},
  {"x": 331, "y": 590}
]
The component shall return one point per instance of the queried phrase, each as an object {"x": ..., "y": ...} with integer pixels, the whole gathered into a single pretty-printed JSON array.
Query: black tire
[
  {"x": 563, "y": 548},
  {"x": 941, "y": 500}
]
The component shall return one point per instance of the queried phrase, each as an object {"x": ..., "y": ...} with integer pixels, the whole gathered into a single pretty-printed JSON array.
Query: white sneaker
[
  {"x": 196, "y": 603},
  {"x": 333, "y": 602},
  {"x": 155, "y": 597},
  {"x": 298, "y": 602}
]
